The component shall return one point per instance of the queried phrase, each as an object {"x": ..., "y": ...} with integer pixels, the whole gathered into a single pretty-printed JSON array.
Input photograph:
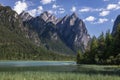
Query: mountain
[
  {"x": 47, "y": 17},
  {"x": 12, "y": 37},
  {"x": 73, "y": 32},
  {"x": 42, "y": 37},
  {"x": 117, "y": 21},
  {"x": 29, "y": 33},
  {"x": 19, "y": 42},
  {"x": 25, "y": 16},
  {"x": 45, "y": 26},
  {"x": 66, "y": 35}
]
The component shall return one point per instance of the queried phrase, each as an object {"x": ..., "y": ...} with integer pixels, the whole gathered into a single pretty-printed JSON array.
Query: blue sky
[{"x": 98, "y": 15}]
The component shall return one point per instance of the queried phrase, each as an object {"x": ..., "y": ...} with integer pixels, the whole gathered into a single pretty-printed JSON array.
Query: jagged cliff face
[
  {"x": 11, "y": 19},
  {"x": 117, "y": 21},
  {"x": 73, "y": 32},
  {"x": 70, "y": 31},
  {"x": 14, "y": 37},
  {"x": 7, "y": 16},
  {"x": 29, "y": 33},
  {"x": 47, "y": 17},
  {"x": 65, "y": 35},
  {"x": 45, "y": 26},
  {"x": 25, "y": 16}
]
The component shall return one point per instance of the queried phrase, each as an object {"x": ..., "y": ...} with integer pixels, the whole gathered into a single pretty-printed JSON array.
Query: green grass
[
  {"x": 54, "y": 76},
  {"x": 73, "y": 72}
]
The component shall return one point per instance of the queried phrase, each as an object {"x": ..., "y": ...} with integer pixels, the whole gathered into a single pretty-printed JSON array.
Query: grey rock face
[
  {"x": 117, "y": 21},
  {"x": 25, "y": 16},
  {"x": 10, "y": 18},
  {"x": 69, "y": 30},
  {"x": 73, "y": 32},
  {"x": 47, "y": 17},
  {"x": 29, "y": 33}
]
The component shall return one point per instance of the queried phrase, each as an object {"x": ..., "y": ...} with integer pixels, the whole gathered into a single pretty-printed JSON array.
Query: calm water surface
[
  {"x": 57, "y": 66},
  {"x": 37, "y": 65}
]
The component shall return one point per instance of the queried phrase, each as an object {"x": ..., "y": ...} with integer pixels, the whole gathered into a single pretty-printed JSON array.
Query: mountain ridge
[
  {"x": 20, "y": 42},
  {"x": 68, "y": 25}
]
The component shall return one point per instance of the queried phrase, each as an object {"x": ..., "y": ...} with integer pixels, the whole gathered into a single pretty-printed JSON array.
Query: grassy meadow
[
  {"x": 54, "y": 76},
  {"x": 73, "y": 72}
]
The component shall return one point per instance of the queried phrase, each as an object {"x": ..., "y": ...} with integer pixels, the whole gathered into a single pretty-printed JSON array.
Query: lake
[
  {"x": 34, "y": 63},
  {"x": 56, "y": 66},
  {"x": 37, "y": 65}
]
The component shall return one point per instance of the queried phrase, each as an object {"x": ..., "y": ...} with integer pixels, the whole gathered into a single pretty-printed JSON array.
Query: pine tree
[
  {"x": 117, "y": 40},
  {"x": 93, "y": 50},
  {"x": 117, "y": 46},
  {"x": 109, "y": 44},
  {"x": 79, "y": 57},
  {"x": 101, "y": 48}
]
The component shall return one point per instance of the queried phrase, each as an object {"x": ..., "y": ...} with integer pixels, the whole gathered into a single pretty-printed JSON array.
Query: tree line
[{"x": 102, "y": 50}]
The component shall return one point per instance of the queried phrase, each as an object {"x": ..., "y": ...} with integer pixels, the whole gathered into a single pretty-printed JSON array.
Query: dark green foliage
[
  {"x": 79, "y": 57},
  {"x": 117, "y": 40},
  {"x": 104, "y": 50}
]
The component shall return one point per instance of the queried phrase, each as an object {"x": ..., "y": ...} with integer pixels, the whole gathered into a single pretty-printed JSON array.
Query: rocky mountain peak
[
  {"x": 8, "y": 16},
  {"x": 25, "y": 16},
  {"x": 116, "y": 22},
  {"x": 74, "y": 15},
  {"x": 63, "y": 19},
  {"x": 70, "y": 30},
  {"x": 73, "y": 32},
  {"x": 66, "y": 35},
  {"x": 47, "y": 17},
  {"x": 73, "y": 19}
]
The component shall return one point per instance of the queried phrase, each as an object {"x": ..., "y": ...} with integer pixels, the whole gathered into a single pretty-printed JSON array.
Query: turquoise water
[
  {"x": 38, "y": 66},
  {"x": 35, "y": 63}
]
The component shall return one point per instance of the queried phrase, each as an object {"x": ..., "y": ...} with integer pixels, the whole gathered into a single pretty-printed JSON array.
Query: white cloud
[
  {"x": 46, "y": 1},
  {"x": 112, "y": 20},
  {"x": 52, "y": 12},
  {"x": 104, "y": 13},
  {"x": 34, "y": 12},
  {"x": 105, "y": 0},
  {"x": 119, "y": 2},
  {"x": 112, "y": 6},
  {"x": 90, "y": 19},
  {"x": 61, "y": 10},
  {"x": 40, "y": 9},
  {"x": 54, "y": 6},
  {"x": 73, "y": 9},
  {"x": 101, "y": 20},
  {"x": 89, "y": 9},
  {"x": 99, "y": 9},
  {"x": 20, "y": 6},
  {"x": 85, "y": 9}
]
